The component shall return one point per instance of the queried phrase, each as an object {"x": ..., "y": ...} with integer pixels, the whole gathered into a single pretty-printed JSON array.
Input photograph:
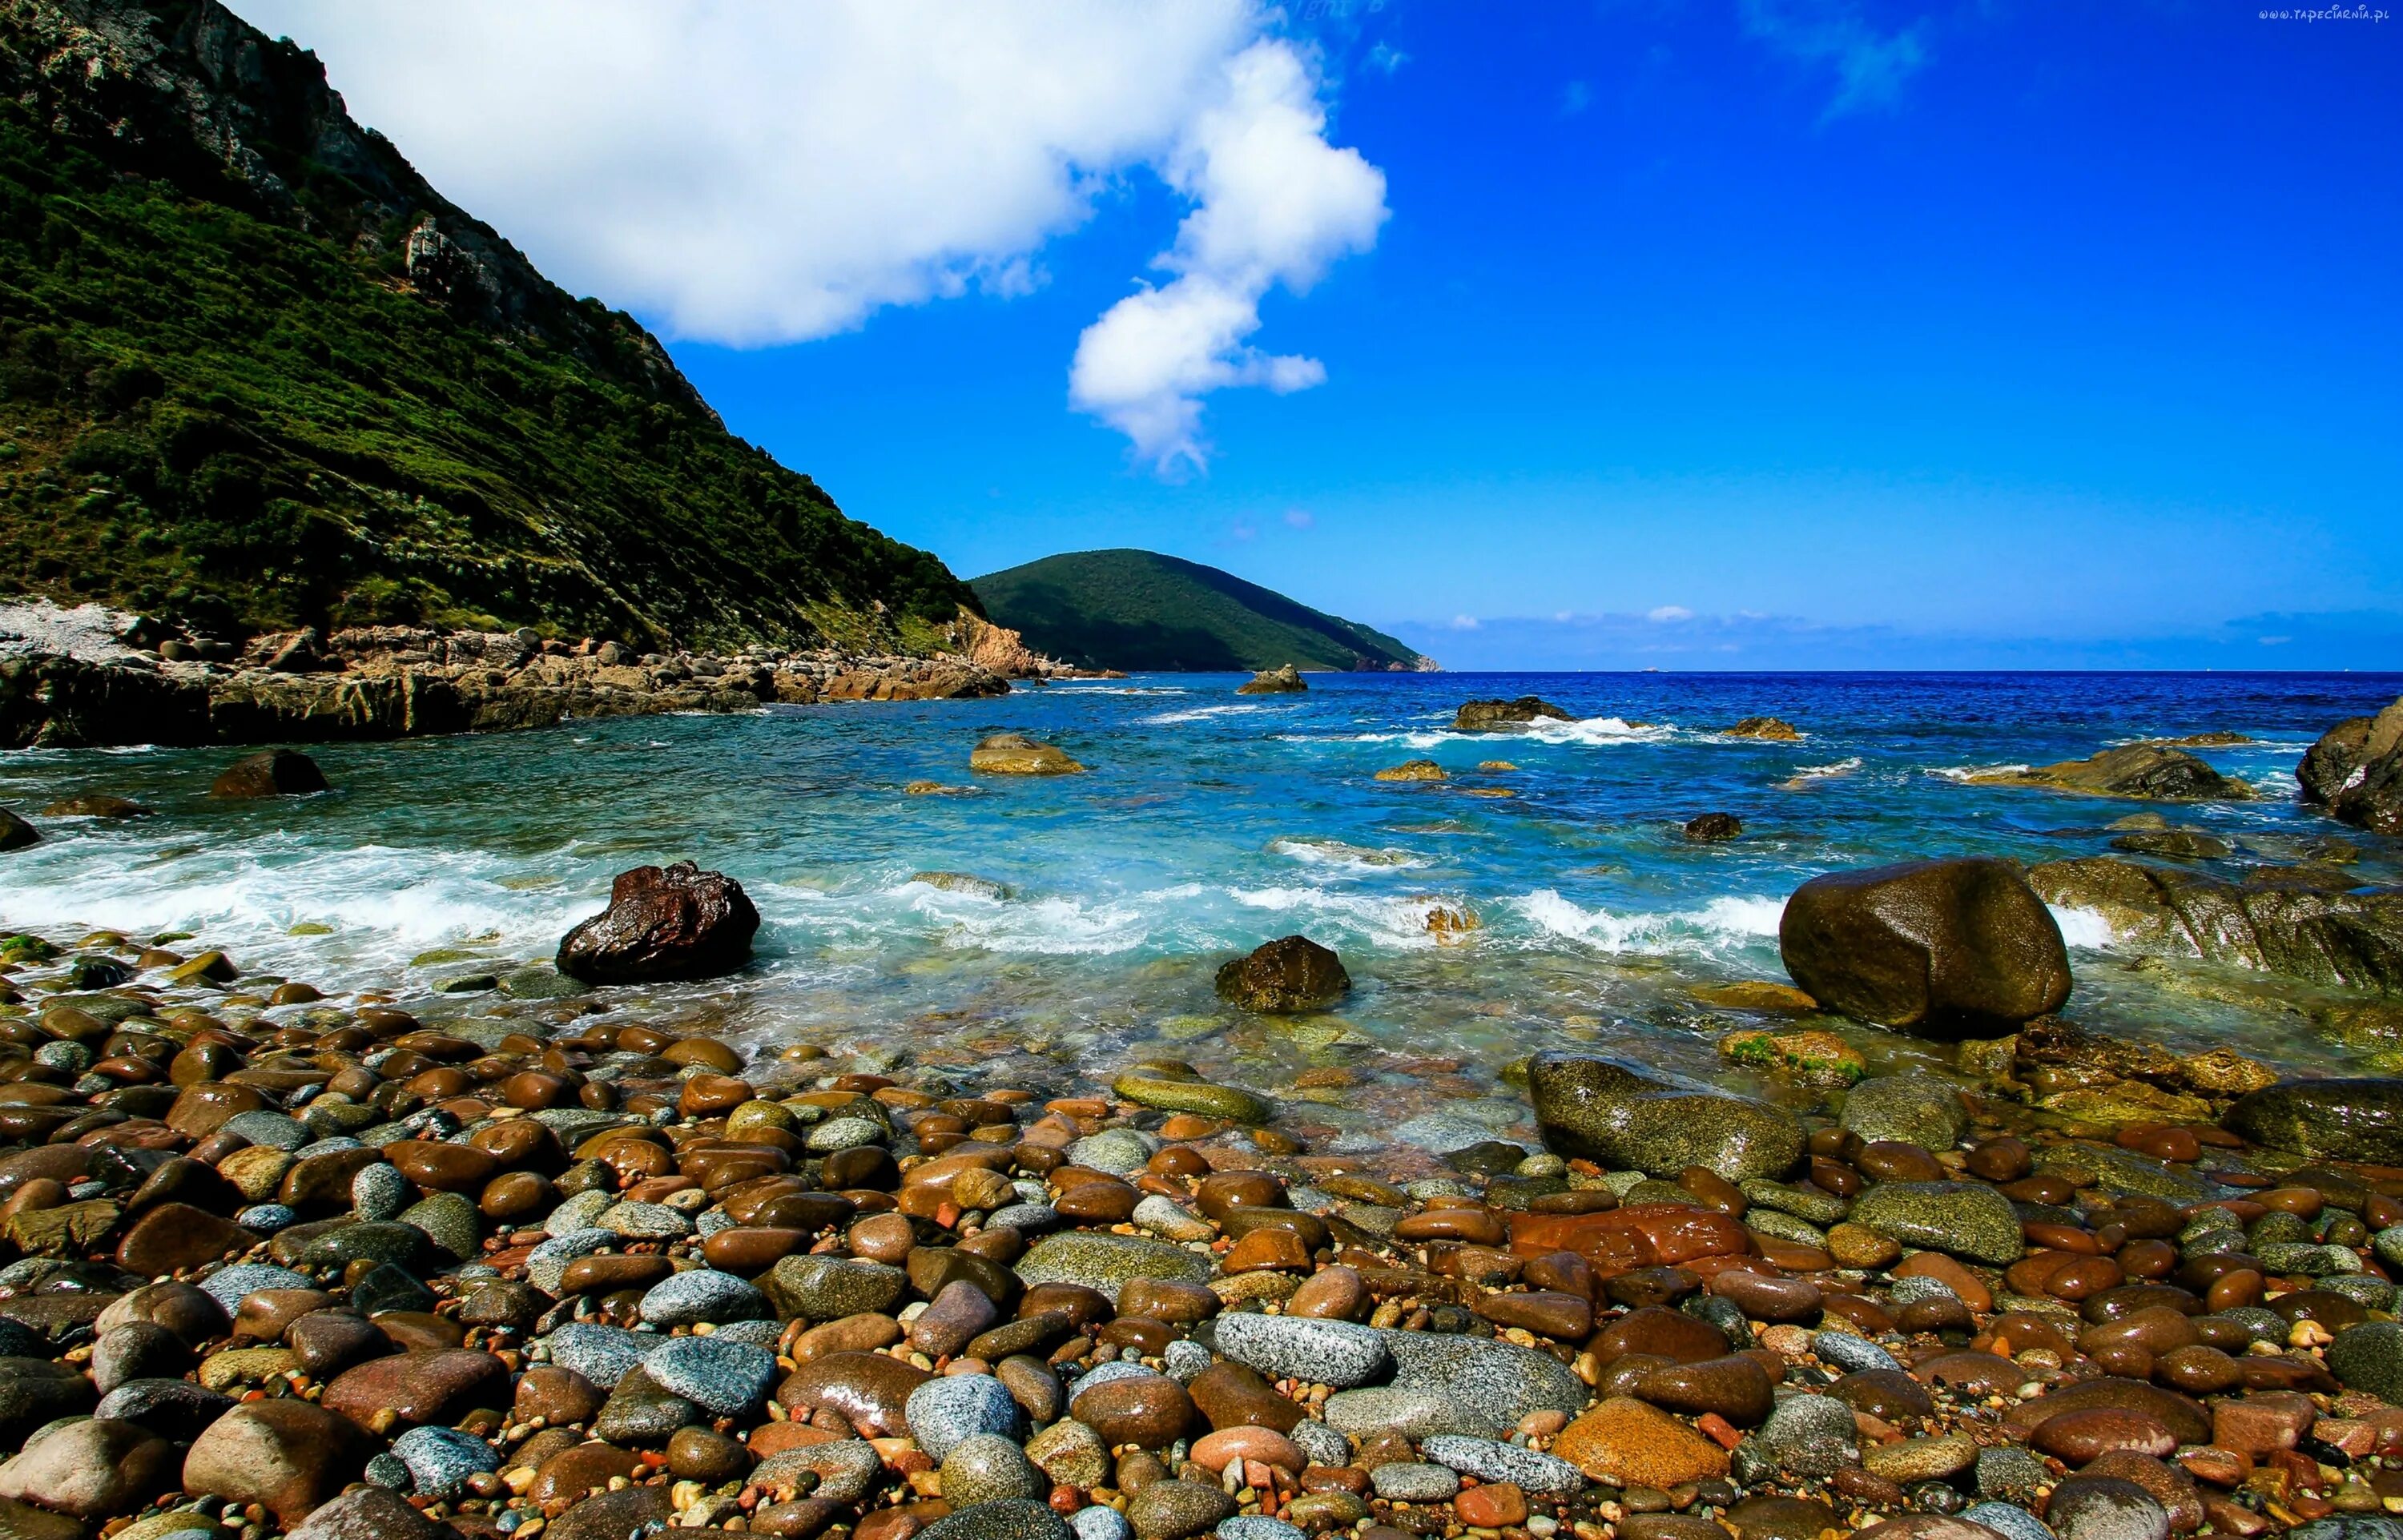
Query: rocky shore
[
  {"x": 281, "y": 1261},
  {"x": 93, "y": 678}
]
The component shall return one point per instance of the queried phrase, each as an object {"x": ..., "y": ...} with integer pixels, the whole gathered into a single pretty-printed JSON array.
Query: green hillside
[
  {"x": 254, "y": 372},
  {"x": 1139, "y": 611}
]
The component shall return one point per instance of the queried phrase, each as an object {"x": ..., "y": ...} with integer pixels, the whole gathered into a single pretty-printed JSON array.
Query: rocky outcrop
[
  {"x": 1282, "y": 978},
  {"x": 1712, "y": 827},
  {"x": 1285, "y": 680},
  {"x": 1014, "y": 753},
  {"x": 2294, "y": 922},
  {"x": 2061, "y": 1067},
  {"x": 1771, "y": 729},
  {"x": 998, "y": 649},
  {"x": 2353, "y": 1119},
  {"x": 1601, "y": 1109},
  {"x": 664, "y": 923},
  {"x": 2355, "y": 772},
  {"x": 2148, "y": 771},
  {"x": 1491, "y": 715},
  {"x": 403, "y": 682},
  {"x": 1943, "y": 948}
]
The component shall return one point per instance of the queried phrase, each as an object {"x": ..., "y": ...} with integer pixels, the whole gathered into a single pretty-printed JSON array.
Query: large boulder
[
  {"x": 2351, "y": 1119},
  {"x": 1277, "y": 681},
  {"x": 664, "y": 923},
  {"x": 1014, "y": 753},
  {"x": 276, "y": 772},
  {"x": 2277, "y": 921},
  {"x": 2355, "y": 771},
  {"x": 1290, "y": 974},
  {"x": 1602, "y": 1109},
  {"x": 1488, "y": 716},
  {"x": 2148, "y": 771},
  {"x": 1943, "y": 949}
]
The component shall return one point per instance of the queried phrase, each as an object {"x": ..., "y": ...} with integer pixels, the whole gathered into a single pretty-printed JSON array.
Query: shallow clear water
[{"x": 1207, "y": 823}]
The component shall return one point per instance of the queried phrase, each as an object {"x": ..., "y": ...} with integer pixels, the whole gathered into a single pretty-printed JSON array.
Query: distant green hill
[
  {"x": 254, "y": 372},
  {"x": 1139, "y": 611}
]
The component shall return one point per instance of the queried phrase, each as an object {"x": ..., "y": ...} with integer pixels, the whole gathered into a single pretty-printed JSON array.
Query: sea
[{"x": 1042, "y": 930}]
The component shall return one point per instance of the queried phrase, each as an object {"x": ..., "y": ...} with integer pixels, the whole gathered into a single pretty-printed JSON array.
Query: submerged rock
[
  {"x": 1285, "y": 680},
  {"x": 2355, "y": 772},
  {"x": 1014, "y": 754},
  {"x": 1712, "y": 827},
  {"x": 1171, "y": 1094},
  {"x": 1290, "y": 974},
  {"x": 277, "y": 772},
  {"x": 664, "y": 923},
  {"x": 1487, "y": 715},
  {"x": 2351, "y": 1119},
  {"x": 1943, "y": 948},
  {"x": 2145, "y": 770},
  {"x": 1603, "y": 1110}
]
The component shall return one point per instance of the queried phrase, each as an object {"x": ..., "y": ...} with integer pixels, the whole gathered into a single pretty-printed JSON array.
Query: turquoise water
[{"x": 1207, "y": 823}]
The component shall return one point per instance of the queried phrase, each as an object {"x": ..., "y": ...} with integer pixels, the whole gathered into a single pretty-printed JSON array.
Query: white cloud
[
  {"x": 756, "y": 174},
  {"x": 1871, "y": 67},
  {"x": 1274, "y": 205},
  {"x": 1299, "y": 519},
  {"x": 1666, "y": 613},
  {"x": 1464, "y": 622}
]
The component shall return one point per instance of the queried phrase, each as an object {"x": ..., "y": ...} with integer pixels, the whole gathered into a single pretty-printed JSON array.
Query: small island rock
[
  {"x": 1283, "y": 977},
  {"x": 672, "y": 921}
]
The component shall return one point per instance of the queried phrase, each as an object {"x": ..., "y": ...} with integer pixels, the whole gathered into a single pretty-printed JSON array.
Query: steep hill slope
[
  {"x": 256, "y": 372},
  {"x": 1138, "y": 610}
]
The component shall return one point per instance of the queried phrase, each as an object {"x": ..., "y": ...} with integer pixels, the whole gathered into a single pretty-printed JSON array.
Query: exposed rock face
[
  {"x": 2327, "y": 934},
  {"x": 1285, "y": 680},
  {"x": 2326, "y": 1119},
  {"x": 1001, "y": 650},
  {"x": 1288, "y": 975},
  {"x": 400, "y": 681},
  {"x": 1769, "y": 728},
  {"x": 664, "y": 923},
  {"x": 1603, "y": 1110},
  {"x": 1014, "y": 753},
  {"x": 2355, "y": 771},
  {"x": 2148, "y": 771},
  {"x": 1943, "y": 949},
  {"x": 277, "y": 772},
  {"x": 1487, "y": 715}
]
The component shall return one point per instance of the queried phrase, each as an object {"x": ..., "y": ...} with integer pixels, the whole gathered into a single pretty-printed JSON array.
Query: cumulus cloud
[
  {"x": 1666, "y": 613},
  {"x": 1274, "y": 204},
  {"x": 1871, "y": 66},
  {"x": 755, "y": 174}
]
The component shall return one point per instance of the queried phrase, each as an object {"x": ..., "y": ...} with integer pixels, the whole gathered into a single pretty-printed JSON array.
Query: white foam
[
  {"x": 1598, "y": 731},
  {"x": 1963, "y": 772},
  {"x": 1721, "y": 925},
  {"x": 1384, "y": 920},
  {"x": 2085, "y": 930},
  {"x": 1335, "y": 852},
  {"x": 1821, "y": 772},
  {"x": 1197, "y": 714}
]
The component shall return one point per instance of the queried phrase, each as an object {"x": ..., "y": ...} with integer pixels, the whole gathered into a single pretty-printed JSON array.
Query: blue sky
[{"x": 1727, "y": 333}]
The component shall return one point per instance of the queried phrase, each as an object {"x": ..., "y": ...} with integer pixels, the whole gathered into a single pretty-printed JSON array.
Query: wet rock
[
  {"x": 35, "y": 1391},
  {"x": 282, "y": 1452},
  {"x": 15, "y": 833},
  {"x": 369, "y": 1513},
  {"x": 177, "y": 1409},
  {"x": 2090, "y": 1508},
  {"x": 1492, "y": 715},
  {"x": 1147, "y": 1409},
  {"x": 1104, "y": 1261},
  {"x": 944, "y": 1413},
  {"x": 2322, "y": 934},
  {"x": 1407, "y": 1481},
  {"x": 1769, "y": 728},
  {"x": 1287, "y": 975},
  {"x": 440, "y": 1460},
  {"x": 1966, "y": 1220},
  {"x": 1490, "y": 1460},
  {"x": 614, "y": 1514},
  {"x": 869, "y": 1389},
  {"x": 1194, "y": 1096},
  {"x": 2370, "y": 1357},
  {"x": 1913, "y": 1109},
  {"x": 276, "y": 772},
  {"x": 665, "y": 923},
  {"x": 1627, "y": 1443},
  {"x": 1943, "y": 949},
  {"x": 2151, "y": 771},
  {"x": 1807, "y": 1435},
  {"x": 139, "y": 1350},
  {"x": 1284, "y": 680},
  {"x": 1713, "y": 828},
  {"x": 1503, "y": 1381},
  {"x": 641, "y": 1413},
  {"x": 988, "y": 1467},
  {"x": 1315, "y": 1351},
  {"x": 1014, "y": 754},
  {"x": 1005, "y": 1518},
  {"x": 1608, "y": 1111},
  {"x": 2338, "y": 1119},
  {"x": 828, "y": 1288},
  {"x": 688, "y": 1299},
  {"x": 1177, "y": 1510},
  {"x": 431, "y": 1386},
  {"x": 2355, "y": 772},
  {"x": 724, "y": 1378},
  {"x": 90, "y": 1467}
]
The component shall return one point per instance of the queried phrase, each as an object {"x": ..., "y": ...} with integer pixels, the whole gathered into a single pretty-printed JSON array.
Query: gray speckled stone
[
  {"x": 1095, "y": 1522},
  {"x": 602, "y": 1354},
  {"x": 451, "y": 1220},
  {"x": 1412, "y": 1413},
  {"x": 1185, "y": 1360},
  {"x": 1023, "y": 1216},
  {"x": 227, "y": 1285},
  {"x": 1407, "y": 1482},
  {"x": 1965, "y": 1218},
  {"x": 440, "y": 1460},
  {"x": 267, "y": 1218},
  {"x": 1315, "y": 1351},
  {"x": 721, "y": 1376},
  {"x": 1503, "y": 1380},
  {"x": 378, "y": 1192},
  {"x": 1916, "y": 1109},
  {"x": 1003, "y": 1518},
  {"x": 1104, "y": 1261},
  {"x": 1910, "y": 1290},
  {"x": 842, "y": 1133},
  {"x": 757, "y": 1334},
  {"x": 582, "y": 1212},
  {"x": 1321, "y": 1443},
  {"x": 1256, "y": 1526},
  {"x": 945, "y": 1412},
  {"x": 845, "y": 1469},
  {"x": 703, "y": 1294},
  {"x": 1490, "y": 1460},
  {"x": 2013, "y": 1523},
  {"x": 988, "y": 1468},
  {"x": 272, "y": 1129},
  {"x": 2369, "y": 1356},
  {"x": 2008, "y": 1474},
  {"x": 1809, "y": 1435},
  {"x": 1122, "y": 1152},
  {"x": 647, "y": 1222}
]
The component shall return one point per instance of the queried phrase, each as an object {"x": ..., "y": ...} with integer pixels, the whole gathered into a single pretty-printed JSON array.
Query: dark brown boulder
[
  {"x": 2355, "y": 772},
  {"x": 1486, "y": 716},
  {"x": 1943, "y": 949},
  {"x": 15, "y": 833},
  {"x": 664, "y": 923},
  {"x": 1290, "y": 974},
  {"x": 1711, "y": 827},
  {"x": 277, "y": 772}
]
